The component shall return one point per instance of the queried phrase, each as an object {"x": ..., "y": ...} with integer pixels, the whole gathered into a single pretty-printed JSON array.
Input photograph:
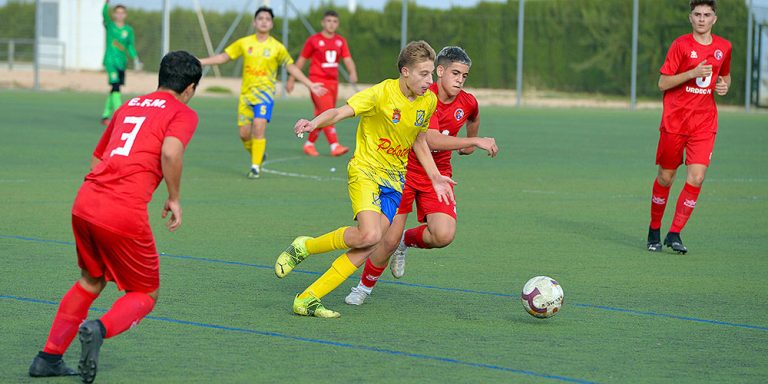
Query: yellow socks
[
  {"x": 340, "y": 270},
  {"x": 331, "y": 241},
  {"x": 258, "y": 146}
]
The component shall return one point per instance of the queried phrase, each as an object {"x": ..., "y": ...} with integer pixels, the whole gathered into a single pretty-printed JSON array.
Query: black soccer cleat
[
  {"x": 43, "y": 368},
  {"x": 674, "y": 241},
  {"x": 654, "y": 240},
  {"x": 91, "y": 338}
]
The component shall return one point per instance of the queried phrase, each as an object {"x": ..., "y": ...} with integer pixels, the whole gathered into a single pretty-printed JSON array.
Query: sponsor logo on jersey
[
  {"x": 659, "y": 200},
  {"x": 153, "y": 103},
  {"x": 267, "y": 52},
  {"x": 698, "y": 91},
  {"x": 458, "y": 114},
  {"x": 694, "y": 55},
  {"x": 250, "y": 50},
  {"x": 420, "y": 114},
  {"x": 385, "y": 145},
  {"x": 396, "y": 116},
  {"x": 718, "y": 55},
  {"x": 690, "y": 203},
  {"x": 125, "y": 34}
]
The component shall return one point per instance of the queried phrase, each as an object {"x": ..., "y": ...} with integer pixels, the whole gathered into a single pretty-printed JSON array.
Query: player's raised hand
[
  {"x": 722, "y": 86},
  {"x": 303, "y": 125},
  {"x": 318, "y": 89},
  {"x": 443, "y": 186},
  {"x": 174, "y": 207},
  {"x": 702, "y": 70}
]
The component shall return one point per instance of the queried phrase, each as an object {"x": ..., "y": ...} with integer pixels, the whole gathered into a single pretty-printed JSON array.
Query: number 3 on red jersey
[{"x": 129, "y": 137}]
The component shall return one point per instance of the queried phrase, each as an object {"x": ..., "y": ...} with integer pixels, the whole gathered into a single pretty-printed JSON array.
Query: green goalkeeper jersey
[{"x": 119, "y": 42}]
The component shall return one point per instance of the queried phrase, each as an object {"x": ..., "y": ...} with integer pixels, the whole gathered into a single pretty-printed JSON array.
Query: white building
[{"x": 72, "y": 34}]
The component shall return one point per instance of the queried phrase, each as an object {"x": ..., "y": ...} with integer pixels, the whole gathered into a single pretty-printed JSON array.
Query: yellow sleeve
[
  {"x": 430, "y": 111},
  {"x": 234, "y": 50},
  {"x": 283, "y": 57},
  {"x": 364, "y": 102}
]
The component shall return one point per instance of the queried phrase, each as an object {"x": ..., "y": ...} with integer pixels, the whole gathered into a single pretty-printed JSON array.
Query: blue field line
[
  {"x": 426, "y": 286},
  {"x": 331, "y": 343}
]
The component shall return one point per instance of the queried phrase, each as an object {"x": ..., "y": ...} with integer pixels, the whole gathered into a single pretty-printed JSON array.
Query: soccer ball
[{"x": 542, "y": 297}]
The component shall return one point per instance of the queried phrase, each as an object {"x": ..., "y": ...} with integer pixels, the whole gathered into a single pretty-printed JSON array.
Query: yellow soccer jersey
[
  {"x": 261, "y": 60},
  {"x": 389, "y": 124}
]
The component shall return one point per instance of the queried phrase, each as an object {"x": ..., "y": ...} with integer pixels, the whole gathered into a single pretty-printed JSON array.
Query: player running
[
  {"x": 697, "y": 65},
  {"x": 394, "y": 117},
  {"x": 324, "y": 49},
  {"x": 455, "y": 108},
  {"x": 143, "y": 144},
  {"x": 119, "y": 46},
  {"x": 262, "y": 56}
]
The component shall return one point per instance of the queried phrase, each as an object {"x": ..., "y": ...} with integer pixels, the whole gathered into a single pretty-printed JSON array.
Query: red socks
[
  {"x": 658, "y": 203},
  {"x": 73, "y": 310},
  {"x": 127, "y": 312},
  {"x": 685, "y": 205},
  {"x": 414, "y": 237},
  {"x": 371, "y": 274},
  {"x": 330, "y": 133}
]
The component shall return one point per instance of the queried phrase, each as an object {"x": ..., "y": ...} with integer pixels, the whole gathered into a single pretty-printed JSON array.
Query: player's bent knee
[
  {"x": 442, "y": 239},
  {"x": 369, "y": 238},
  {"x": 695, "y": 180}
]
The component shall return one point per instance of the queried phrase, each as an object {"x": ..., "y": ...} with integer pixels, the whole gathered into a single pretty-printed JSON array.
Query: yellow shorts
[
  {"x": 368, "y": 195},
  {"x": 247, "y": 111}
]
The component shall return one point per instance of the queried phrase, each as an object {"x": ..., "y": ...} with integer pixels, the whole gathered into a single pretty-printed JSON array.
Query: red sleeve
[
  {"x": 725, "y": 70},
  {"x": 474, "y": 108},
  {"x": 345, "y": 49},
  {"x": 672, "y": 62},
  {"x": 104, "y": 141},
  {"x": 434, "y": 122},
  {"x": 182, "y": 126},
  {"x": 308, "y": 49}
]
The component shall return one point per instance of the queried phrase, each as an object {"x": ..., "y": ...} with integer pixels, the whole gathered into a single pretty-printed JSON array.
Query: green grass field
[{"x": 568, "y": 197}]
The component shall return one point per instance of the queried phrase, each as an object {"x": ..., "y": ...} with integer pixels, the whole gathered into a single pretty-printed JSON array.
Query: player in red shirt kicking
[
  {"x": 455, "y": 108},
  {"x": 324, "y": 50},
  {"x": 143, "y": 144},
  {"x": 697, "y": 66}
]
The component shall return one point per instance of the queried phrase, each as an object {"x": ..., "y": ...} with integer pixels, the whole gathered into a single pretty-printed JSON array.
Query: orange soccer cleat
[
  {"x": 310, "y": 150},
  {"x": 339, "y": 150}
]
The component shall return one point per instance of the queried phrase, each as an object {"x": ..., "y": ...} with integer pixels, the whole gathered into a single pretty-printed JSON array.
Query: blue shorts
[
  {"x": 388, "y": 201},
  {"x": 246, "y": 111}
]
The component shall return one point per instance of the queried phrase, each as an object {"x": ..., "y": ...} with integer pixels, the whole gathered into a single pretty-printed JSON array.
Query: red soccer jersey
[
  {"x": 690, "y": 107},
  {"x": 324, "y": 55},
  {"x": 450, "y": 118},
  {"x": 116, "y": 193}
]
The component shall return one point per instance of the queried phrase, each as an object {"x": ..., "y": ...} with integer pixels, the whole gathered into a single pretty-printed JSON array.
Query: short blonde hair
[{"x": 414, "y": 53}]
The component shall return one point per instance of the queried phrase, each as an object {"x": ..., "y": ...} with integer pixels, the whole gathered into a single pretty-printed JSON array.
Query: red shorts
[
  {"x": 426, "y": 202},
  {"x": 133, "y": 264},
  {"x": 697, "y": 147},
  {"x": 327, "y": 101}
]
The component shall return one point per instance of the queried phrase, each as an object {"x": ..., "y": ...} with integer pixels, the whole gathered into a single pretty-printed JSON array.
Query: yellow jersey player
[
  {"x": 394, "y": 117},
  {"x": 262, "y": 57}
]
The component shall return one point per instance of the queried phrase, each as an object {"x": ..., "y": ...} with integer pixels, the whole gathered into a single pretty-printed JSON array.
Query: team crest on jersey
[
  {"x": 718, "y": 54},
  {"x": 266, "y": 52},
  {"x": 250, "y": 50},
  {"x": 338, "y": 43},
  {"x": 420, "y": 117},
  {"x": 396, "y": 116},
  {"x": 125, "y": 34},
  {"x": 694, "y": 55},
  {"x": 321, "y": 43},
  {"x": 458, "y": 114}
]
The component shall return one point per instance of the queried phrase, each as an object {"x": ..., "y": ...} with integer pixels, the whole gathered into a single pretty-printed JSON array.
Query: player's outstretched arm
[
  {"x": 316, "y": 88},
  {"x": 329, "y": 117},
  {"x": 668, "y": 82},
  {"x": 440, "y": 142},
  {"x": 221, "y": 58},
  {"x": 289, "y": 85},
  {"x": 351, "y": 68},
  {"x": 473, "y": 128},
  {"x": 105, "y": 13},
  {"x": 172, "y": 160},
  {"x": 442, "y": 184}
]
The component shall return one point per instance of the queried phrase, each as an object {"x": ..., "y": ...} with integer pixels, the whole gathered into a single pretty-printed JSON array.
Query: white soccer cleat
[
  {"x": 397, "y": 261},
  {"x": 357, "y": 296}
]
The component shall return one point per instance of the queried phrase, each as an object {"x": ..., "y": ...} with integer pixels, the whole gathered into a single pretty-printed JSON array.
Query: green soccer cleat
[
  {"x": 311, "y": 306},
  {"x": 291, "y": 257}
]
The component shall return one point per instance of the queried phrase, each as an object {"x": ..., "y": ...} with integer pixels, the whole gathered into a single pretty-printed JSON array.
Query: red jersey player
[
  {"x": 455, "y": 108},
  {"x": 698, "y": 65},
  {"x": 143, "y": 144},
  {"x": 324, "y": 50}
]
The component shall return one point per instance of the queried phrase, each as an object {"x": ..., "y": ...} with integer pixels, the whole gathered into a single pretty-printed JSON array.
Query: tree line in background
[{"x": 571, "y": 46}]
